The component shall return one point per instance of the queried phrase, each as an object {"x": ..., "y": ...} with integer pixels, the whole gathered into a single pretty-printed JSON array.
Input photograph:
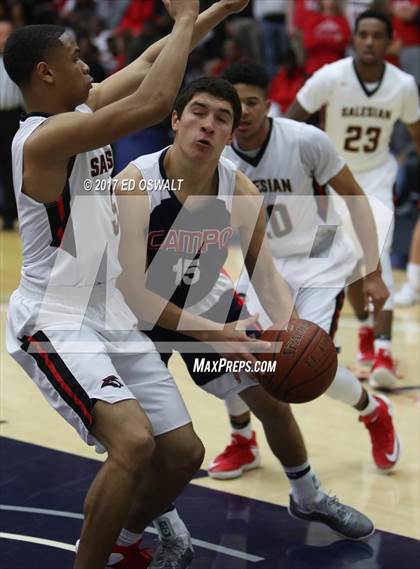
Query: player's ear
[
  {"x": 44, "y": 72},
  {"x": 175, "y": 121},
  {"x": 267, "y": 105}
]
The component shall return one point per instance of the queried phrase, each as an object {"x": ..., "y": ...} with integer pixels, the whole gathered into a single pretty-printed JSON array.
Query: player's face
[
  {"x": 371, "y": 41},
  {"x": 71, "y": 74},
  {"x": 205, "y": 127},
  {"x": 254, "y": 110}
]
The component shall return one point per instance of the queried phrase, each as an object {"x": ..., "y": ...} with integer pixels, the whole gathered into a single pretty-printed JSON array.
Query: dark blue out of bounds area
[{"x": 42, "y": 491}]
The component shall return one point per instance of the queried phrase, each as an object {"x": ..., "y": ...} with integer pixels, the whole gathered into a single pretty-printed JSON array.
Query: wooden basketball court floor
[{"x": 44, "y": 470}]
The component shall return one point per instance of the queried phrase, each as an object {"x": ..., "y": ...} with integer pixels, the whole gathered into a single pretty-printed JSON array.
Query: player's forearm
[
  {"x": 361, "y": 216},
  {"x": 274, "y": 295},
  {"x": 154, "y": 309},
  {"x": 365, "y": 228},
  {"x": 166, "y": 74}
]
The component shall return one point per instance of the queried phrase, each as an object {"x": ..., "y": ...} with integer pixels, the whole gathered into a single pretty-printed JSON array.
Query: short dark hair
[
  {"x": 376, "y": 15},
  {"x": 26, "y": 47},
  {"x": 248, "y": 72},
  {"x": 214, "y": 86}
]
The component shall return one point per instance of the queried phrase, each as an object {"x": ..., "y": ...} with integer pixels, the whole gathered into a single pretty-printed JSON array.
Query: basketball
[{"x": 306, "y": 362}]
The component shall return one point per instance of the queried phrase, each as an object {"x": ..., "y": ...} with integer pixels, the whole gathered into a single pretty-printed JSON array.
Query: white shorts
[
  {"x": 226, "y": 385},
  {"x": 73, "y": 368},
  {"x": 320, "y": 305},
  {"x": 379, "y": 183}
]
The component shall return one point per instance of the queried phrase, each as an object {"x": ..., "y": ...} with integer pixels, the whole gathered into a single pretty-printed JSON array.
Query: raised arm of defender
[
  {"x": 128, "y": 79},
  {"x": 67, "y": 134}
]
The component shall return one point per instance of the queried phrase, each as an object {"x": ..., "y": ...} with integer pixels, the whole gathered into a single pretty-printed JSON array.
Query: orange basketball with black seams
[{"x": 306, "y": 362}]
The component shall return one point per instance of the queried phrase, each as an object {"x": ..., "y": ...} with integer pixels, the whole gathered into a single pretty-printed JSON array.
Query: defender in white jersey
[
  {"x": 191, "y": 228},
  {"x": 68, "y": 324},
  {"x": 290, "y": 163},
  {"x": 363, "y": 98}
]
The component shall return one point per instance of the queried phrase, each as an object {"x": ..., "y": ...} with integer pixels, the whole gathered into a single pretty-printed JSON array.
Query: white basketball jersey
[
  {"x": 359, "y": 119},
  {"x": 305, "y": 232},
  {"x": 66, "y": 242},
  {"x": 291, "y": 168}
]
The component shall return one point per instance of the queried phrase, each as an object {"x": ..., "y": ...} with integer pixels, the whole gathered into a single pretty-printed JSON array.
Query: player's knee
[
  {"x": 267, "y": 408},
  {"x": 191, "y": 455},
  {"x": 133, "y": 451},
  {"x": 280, "y": 411},
  {"x": 186, "y": 458}
]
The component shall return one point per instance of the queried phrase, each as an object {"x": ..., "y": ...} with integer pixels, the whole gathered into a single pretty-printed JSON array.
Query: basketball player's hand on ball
[
  {"x": 234, "y": 6},
  {"x": 233, "y": 343},
  {"x": 375, "y": 291},
  {"x": 180, "y": 8}
]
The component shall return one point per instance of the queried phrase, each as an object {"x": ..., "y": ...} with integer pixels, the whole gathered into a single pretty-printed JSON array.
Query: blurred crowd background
[{"x": 293, "y": 38}]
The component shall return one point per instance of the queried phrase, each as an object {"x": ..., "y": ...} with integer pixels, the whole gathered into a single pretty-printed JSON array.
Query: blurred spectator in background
[
  {"x": 78, "y": 15},
  {"x": 355, "y": 7},
  {"x": 89, "y": 53},
  {"x": 242, "y": 27},
  {"x": 101, "y": 37},
  {"x": 231, "y": 53},
  {"x": 407, "y": 25},
  {"x": 285, "y": 85},
  {"x": 112, "y": 11},
  {"x": 326, "y": 35},
  {"x": 195, "y": 68},
  {"x": 298, "y": 9},
  {"x": 271, "y": 16},
  {"x": 137, "y": 13},
  {"x": 10, "y": 109},
  {"x": 149, "y": 34}
]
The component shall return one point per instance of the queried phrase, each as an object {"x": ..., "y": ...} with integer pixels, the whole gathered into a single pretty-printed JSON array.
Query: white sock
[
  {"x": 413, "y": 275},
  {"x": 244, "y": 431},
  {"x": 369, "y": 322},
  {"x": 345, "y": 387},
  {"x": 371, "y": 406},
  {"x": 306, "y": 488},
  {"x": 170, "y": 525},
  {"x": 382, "y": 345},
  {"x": 127, "y": 538}
]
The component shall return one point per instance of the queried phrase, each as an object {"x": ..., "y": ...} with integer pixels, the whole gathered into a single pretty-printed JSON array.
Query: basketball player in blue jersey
[
  {"x": 182, "y": 237},
  {"x": 288, "y": 161},
  {"x": 62, "y": 168}
]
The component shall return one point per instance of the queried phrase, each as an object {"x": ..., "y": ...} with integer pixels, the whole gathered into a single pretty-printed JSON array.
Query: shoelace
[{"x": 334, "y": 503}]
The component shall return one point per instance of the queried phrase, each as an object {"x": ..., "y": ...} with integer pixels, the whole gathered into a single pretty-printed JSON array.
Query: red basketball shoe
[
  {"x": 383, "y": 374},
  {"x": 241, "y": 455},
  {"x": 131, "y": 557},
  {"x": 386, "y": 445},
  {"x": 128, "y": 557},
  {"x": 366, "y": 353}
]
